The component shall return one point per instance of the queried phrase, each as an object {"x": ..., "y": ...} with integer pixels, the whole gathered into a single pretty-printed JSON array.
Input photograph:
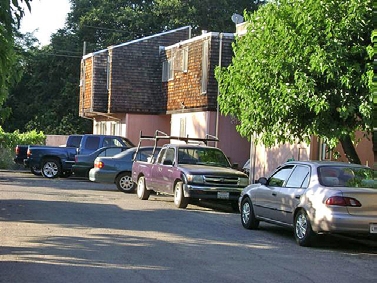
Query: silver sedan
[{"x": 313, "y": 197}]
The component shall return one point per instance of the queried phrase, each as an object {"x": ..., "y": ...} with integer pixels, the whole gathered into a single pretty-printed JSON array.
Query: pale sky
[{"x": 47, "y": 16}]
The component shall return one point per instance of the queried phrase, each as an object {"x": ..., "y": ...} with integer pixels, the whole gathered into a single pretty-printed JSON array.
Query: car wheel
[
  {"x": 304, "y": 234},
  {"x": 124, "y": 182},
  {"x": 247, "y": 215},
  {"x": 142, "y": 192},
  {"x": 180, "y": 200},
  {"x": 51, "y": 168},
  {"x": 36, "y": 171}
]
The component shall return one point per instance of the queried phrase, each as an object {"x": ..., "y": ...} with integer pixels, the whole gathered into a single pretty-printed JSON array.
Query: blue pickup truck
[{"x": 56, "y": 161}]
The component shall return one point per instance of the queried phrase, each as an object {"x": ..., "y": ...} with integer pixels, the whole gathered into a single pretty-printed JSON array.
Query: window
[
  {"x": 92, "y": 143},
  {"x": 167, "y": 70},
  {"x": 204, "y": 67},
  {"x": 169, "y": 155},
  {"x": 108, "y": 72},
  {"x": 111, "y": 142},
  {"x": 182, "y": 127},
  {"x": 110, "y": 152},
  {"x": 299, "y": 177},
  {"x": 278, "y": 179},
  {"x": 185, "y": 59},
  {"x": 161, "y": 155}
]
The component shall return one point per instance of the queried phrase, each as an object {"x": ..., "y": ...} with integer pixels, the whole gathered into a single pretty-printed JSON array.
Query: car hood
[{"x": 210, "y": 170}]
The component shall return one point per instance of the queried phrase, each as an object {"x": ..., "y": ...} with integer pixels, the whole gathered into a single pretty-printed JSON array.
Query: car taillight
[
  {"x": 28, "y": 153},
  {"x": 76, "y": 158},
  {"x": 17, "y": 150},
  {"x": 98, "y": 164},
  {"x": 343, "y": 201}
]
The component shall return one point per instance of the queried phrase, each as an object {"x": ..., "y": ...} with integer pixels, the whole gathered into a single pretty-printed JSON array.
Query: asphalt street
[{"x": 73, "y": 230}]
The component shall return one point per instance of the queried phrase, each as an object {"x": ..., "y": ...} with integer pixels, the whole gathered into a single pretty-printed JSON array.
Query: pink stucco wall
[
  {"x": 148, "y": 124},
  {"x": 198, "y": 124}
]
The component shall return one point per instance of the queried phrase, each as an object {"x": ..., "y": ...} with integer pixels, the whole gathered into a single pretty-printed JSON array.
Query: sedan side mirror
[{"x": 262, "y": 181}]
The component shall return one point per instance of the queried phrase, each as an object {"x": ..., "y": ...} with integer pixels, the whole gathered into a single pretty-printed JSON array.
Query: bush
[{"x": 8, "y": 142}]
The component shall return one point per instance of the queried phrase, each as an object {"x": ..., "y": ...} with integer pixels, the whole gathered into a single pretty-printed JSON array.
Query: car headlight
[
  {"x": 195, "y": 179},
  {"x": 243, "y": 182}
]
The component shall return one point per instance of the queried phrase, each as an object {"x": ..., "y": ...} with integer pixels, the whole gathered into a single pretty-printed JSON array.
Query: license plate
[
  {"x": 373, "y": 228},
  {"x": 225, "y": 195}
]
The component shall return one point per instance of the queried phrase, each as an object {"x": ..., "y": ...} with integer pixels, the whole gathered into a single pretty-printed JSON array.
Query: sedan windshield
[{"x": 346, "y": 176}]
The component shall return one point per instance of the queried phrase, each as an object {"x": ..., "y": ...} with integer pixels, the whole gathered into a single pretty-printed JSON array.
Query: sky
[{"x": 47, "y": 16}]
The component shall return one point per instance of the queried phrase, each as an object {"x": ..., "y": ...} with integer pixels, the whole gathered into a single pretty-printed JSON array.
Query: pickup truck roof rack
[{"x": 159, "y": 135}]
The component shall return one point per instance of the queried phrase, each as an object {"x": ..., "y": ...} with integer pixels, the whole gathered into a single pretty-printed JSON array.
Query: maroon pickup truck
[{"x": 189, "y": 171}]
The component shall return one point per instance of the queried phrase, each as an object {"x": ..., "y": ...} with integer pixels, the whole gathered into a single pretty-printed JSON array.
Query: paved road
[{"x": 71, "y": 230}]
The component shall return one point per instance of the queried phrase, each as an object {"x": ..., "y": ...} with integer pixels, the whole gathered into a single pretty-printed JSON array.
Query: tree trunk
[{"x": 349, "y": 149}]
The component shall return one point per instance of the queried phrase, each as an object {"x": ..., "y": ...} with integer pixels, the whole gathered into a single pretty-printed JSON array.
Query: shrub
[{"x": 8, "y": 142}]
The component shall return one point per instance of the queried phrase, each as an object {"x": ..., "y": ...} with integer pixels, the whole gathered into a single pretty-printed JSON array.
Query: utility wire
[{"x": 117, "y": 30}]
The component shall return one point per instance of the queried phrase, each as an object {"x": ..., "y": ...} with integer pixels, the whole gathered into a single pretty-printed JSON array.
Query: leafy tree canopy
[
  {"x": 303, "y": 68},
  {"x": 46, "y": 99},
  {"x": 107, "y": 22},
  {"x": 11, "y": 13}
]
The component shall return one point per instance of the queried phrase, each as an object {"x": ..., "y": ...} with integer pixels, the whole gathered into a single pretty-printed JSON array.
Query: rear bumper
[
  {"x": 102, "y": 176},
  {"x": 349, "y": 224}
]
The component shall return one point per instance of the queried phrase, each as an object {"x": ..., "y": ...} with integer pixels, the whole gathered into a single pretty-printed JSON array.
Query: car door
[
  {"x": 266, "y": 200},
  {"x": 164, "y": 173},
  {"x": 289, "y": 194}
]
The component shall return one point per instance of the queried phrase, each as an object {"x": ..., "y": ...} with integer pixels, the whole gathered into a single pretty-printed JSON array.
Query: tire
[
  {"x": 142, "y": 192},
  {"x": 51, "y": 168},
  {"x": 180, "y": 200},
  {"x": 304, "y": 234},
  {"x": 36, "y": 171},
  {"x": 124, "y": 183},
  {"x": 248, "y": 219}
]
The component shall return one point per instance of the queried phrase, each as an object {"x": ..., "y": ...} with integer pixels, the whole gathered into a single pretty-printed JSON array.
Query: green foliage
[
  {"x": 303, "y": 68},
  {"x": 102, "y": 23},
  {"x": 47, "y": 97},
  {"x": 8, "y": 142},
  {"x": 10, "y": 16}
]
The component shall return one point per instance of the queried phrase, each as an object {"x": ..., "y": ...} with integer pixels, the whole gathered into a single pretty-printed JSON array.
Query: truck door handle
[{"x": 274, "y": 194}]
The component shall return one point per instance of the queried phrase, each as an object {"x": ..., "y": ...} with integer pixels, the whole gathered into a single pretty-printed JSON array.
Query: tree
[
  {"x": 102, "y": 22},
  {"x": 46, "y": 98},
  {"x": 302, "y": 69},
  {"x": 11, "y": 13}
]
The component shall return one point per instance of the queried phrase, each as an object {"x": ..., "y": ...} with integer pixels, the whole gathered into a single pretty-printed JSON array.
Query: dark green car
[
  {"x": 85, "y": 162},
  {"x": 117, "y": 169}
]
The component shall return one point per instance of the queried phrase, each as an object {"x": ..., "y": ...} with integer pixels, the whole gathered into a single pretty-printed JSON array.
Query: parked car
[
  {"x": 85, "y": 162},
  {"x": 21, "y": 155},
  {"x": 57, "y": 161},
  {"x": 117, "y": 169},
  {"x": 313, "y": 197},
  {"x": 189, "y": 172},
  {"x": 246, "y": 167}
]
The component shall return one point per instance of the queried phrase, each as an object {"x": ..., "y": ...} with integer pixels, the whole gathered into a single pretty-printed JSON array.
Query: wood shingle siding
[
  {"x": 184, "y": 91},
  {"x": 93, "y": 90},
  {"x": 126, "y": 78}
]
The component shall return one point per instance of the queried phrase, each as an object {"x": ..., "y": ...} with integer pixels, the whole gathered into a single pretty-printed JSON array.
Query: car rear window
[{"x": 346, "y": 176}]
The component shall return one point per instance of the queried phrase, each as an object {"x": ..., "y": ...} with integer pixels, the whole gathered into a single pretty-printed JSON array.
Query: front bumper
[{"x": 219, "y": 193}]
